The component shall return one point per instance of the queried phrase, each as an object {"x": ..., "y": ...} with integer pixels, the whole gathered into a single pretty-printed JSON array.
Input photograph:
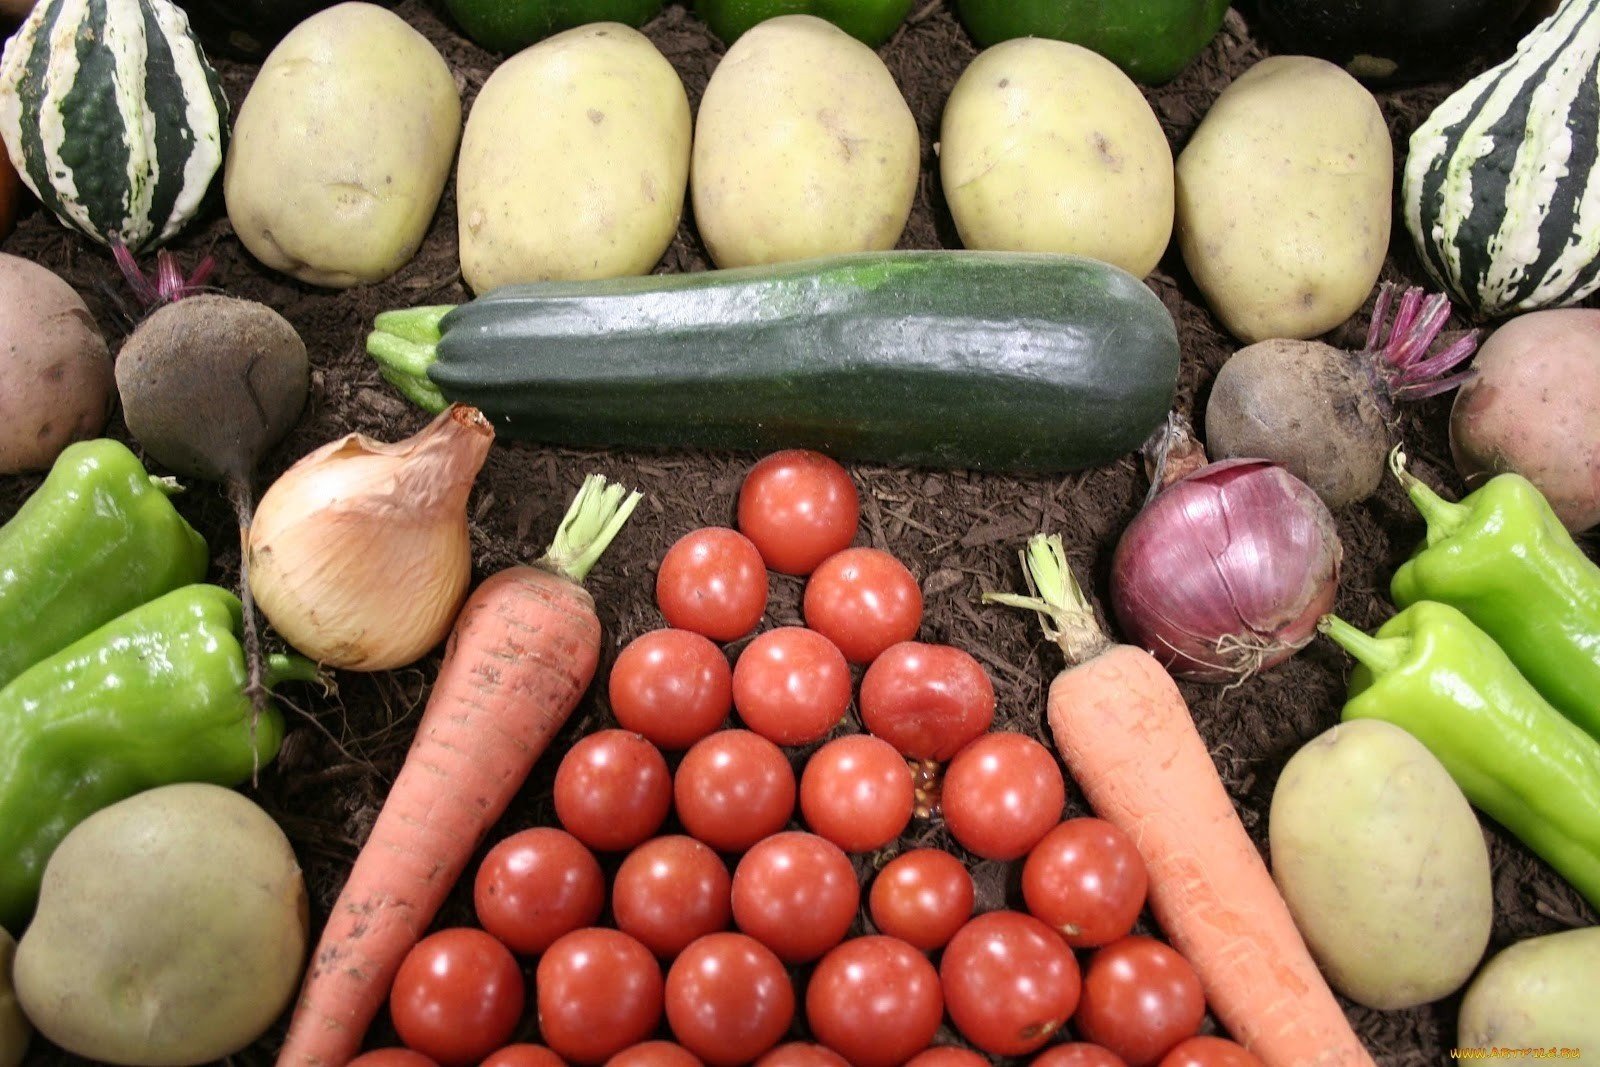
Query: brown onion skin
[{"x": 1190, "y": 569}]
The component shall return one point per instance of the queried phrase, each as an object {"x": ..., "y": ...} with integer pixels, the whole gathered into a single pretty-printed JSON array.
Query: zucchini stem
[{"x": 405, "y": 344}]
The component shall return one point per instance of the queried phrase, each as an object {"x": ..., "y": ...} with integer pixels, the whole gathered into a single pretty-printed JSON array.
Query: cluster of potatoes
[{"x": 580, "y": 153}]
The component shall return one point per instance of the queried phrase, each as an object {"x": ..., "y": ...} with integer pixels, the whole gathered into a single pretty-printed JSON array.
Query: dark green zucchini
[{"x": 984, "y": 360}]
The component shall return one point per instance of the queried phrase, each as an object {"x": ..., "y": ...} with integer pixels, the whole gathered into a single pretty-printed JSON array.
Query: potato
[
  {"x": 1285, "y": 199},
  {"x": 1047, "y": 147},
  {"x": 55, "y": 370},
  {"x": 342, "y": 148},
  {"x": 14, "y": 1028},
  {"x": 1383, "y": 865},
  {"x": 1537, "y": 994},
  {"x": 575, "y": 161},
  {"x": 804, "y": 147},
  {"x": 1533, "y": 407},
  {"x": 171, "y": 929}
]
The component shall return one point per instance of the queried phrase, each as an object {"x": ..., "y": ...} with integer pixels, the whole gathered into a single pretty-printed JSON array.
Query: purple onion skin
[{"x": 1226, "y": 572}]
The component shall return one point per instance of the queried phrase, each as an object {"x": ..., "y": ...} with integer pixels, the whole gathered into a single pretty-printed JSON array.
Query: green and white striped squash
[
  {"x": 113, "y": 116},
  {"x": 1502, "y": 186}
]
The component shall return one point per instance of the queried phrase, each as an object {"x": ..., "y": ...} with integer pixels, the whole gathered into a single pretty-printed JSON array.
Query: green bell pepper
[
  {"x": 1502, "y": 558},
  {"x": 99, "y": 537},
  {"x": 512, "y": 25},
  {"x": 154, "y": 697},
  {"x": 1434, "y": 674},
  {"x": 870, "y": 21},
  {"x": 1151, "y": 40}
]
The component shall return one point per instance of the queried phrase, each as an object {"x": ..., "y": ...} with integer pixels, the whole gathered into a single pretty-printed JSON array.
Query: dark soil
[{"x": 958, "y": 532}]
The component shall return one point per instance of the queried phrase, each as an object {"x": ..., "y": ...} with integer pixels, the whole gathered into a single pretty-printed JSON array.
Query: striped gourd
[
  {"x": 113, "y": 116},
  {"x": 1502, "y": 187}
]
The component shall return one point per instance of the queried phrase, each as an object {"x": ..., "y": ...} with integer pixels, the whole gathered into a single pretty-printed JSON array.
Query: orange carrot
[
  {"x": 522, "y": 652},
  {"x": 1125, "y": 733}
]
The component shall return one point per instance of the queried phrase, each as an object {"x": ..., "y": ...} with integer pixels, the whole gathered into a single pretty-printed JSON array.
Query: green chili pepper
[
  {"x": 1151, "y": 40},
  {"x": 1503, "y": 558},
  {"x": 1434, "y": 674},
  {"x": 512, "y": 25},
  {"x": 154, "y": 697},
  {"x": 872, "y": 21},
  {"x": 99, "y": 537}
]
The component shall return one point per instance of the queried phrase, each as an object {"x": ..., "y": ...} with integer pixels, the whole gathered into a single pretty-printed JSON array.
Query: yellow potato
[
  {"x": 342, "y": 148},
  {"x": 1048, "y": 147},
  {"x": 1285, "y": 197},
  {"x": 804, "y": 147},
  {"x": 1537, "y": 996},
  {"x": 575, "y": 161}
]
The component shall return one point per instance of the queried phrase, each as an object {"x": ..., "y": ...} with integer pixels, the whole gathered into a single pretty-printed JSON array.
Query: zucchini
[{"x": 965, "y": 359}]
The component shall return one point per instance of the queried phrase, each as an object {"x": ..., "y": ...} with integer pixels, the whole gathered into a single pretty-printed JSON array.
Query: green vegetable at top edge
[
  {"x": 511, "y": 25},
  {"x": 1153, "y": 40},
  {"x": 870, "y": 21}
]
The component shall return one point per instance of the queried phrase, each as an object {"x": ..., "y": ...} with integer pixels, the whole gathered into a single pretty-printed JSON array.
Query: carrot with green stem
[
  {"x": 521, "y": 655},
  {"x": 1125, "y": 732}
]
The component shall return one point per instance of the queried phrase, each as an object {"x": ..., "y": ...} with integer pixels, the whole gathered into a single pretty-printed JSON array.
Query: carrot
[
  {"x": 522, "y": 652},
  {"x": 1125, "y": 733}
]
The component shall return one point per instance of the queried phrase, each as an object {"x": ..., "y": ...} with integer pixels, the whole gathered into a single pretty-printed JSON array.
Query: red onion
[{"x": 1226, "y": 570}]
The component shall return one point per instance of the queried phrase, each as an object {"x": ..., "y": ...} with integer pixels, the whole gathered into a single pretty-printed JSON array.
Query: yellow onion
[{"x": 359, "y": 554}]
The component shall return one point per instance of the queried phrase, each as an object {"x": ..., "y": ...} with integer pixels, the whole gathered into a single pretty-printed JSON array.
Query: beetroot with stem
[{"x": 1328, "y": 415}]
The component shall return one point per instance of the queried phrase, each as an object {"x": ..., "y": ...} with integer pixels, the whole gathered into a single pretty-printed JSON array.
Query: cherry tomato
[
  {"x": 671, "y": 687},
  {"x": 1207, "y": 1051},
  {"x": 1009, "y": 981},
  {"x": 734, "y": 788},
  {"x": 797, "y": 894},
  {"x": 1086, "y": 879},
  {"x": 654, "y": 1054},
  {"x": 392, "y": 1057},
  {"x": 863, "y": 600},
  {"x": 1140, "y": 998},
  {"x": 1002, "y": 794},
  {"x": 457, "y": 996},
  {"x": 613, "y": 790},
  {"x": 857, "y": 792},
  {"x": 791, "y": 685},
  {"x": 947, "y": 1056},
  {"x": 799, "y": 508},
  {"x": 670, "y": 891},
  {"x": 714, "y": 582},
  {"x": 523, "y": 1056},
  {"x": 1077, "y": 1054},
  {"x": 728, "y": 999},
  {"x": 875, "y": 1001},
  {"x": 535, "y": 886},
  {"x": 801, "y": 1054},
  {"x": 928, "y": 701},
  {"x": 599, "y": 992},
  {"x": 922, "y": 897}
]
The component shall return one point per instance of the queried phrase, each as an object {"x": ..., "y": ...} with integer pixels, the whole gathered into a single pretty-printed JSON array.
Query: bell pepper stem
[
  {"x": 1443, "y": 517},
  {"x": 1377, "y": 654},
  {"x": 285, "y": 668},
  {"x": 595, "y": 518},
  {"x": 1064, "y": 611},
  {"x": 405, "y": 344}
]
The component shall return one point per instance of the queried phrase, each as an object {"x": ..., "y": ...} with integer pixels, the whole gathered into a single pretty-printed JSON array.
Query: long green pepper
[
  {"x": 1434, "y": 674},
  {"x": 98, "y": 538},
  {"x": 1504, "y": 560},
  {"x": 152, "y": 698}
]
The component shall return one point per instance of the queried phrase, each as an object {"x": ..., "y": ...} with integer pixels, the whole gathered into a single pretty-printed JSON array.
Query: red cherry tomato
[
  {"x": 797, "y": 894},
  {"x": 670, "y": 891},
  {"x": 457, "y": 996},
  {"x": 1086, "y": 879},
  {"x": 928, "y": 701},
  {"x": 947, "y": 1056},
  {"x": 922, "y": 897},
  {"x": 734, "y": 788},
  {"x": 654, "y": 1054},
  {"x": 535, "y": 886},
  {"x": 728, "y": 999},
  {"x": 523, "y": 1056},
  {"x": 863, "y": 600},
  {"x": 875, "y": 1001},
  {"x": 599, "y": 992},
  {"x": 1140, "y": 998},
  {"x": 1077, "y": 1054},
  {"x": 671, "y": 687},
  {"x": 1009, "y": 981},
  {"x": 791, "y": 685},
  {"x": 799, "y": 508},
  {"x": 801, "y": 1054},
  {"x": 1002, "y": 794},
  {"x": 714, "y": 582},
  {"x": 613, "y": 790},
  {"x": 1207, "y": 1051},
  {"x": 857, "y": 792},
  {"x": 392, "y": 1057}
]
